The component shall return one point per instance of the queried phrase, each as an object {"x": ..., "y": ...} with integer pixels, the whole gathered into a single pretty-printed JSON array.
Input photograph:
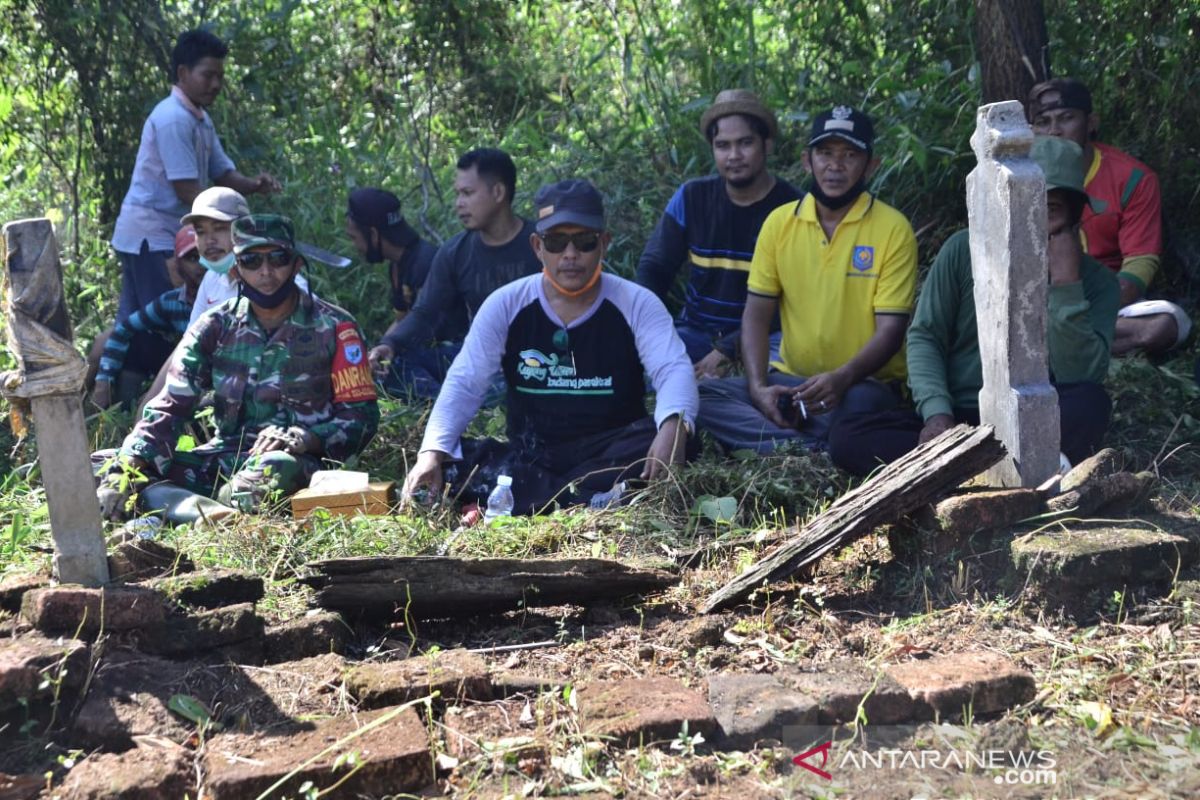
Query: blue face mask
[{"x": 221, "y": 267}]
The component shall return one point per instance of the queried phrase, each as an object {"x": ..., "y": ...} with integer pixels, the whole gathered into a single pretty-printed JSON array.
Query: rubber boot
[{"x": 179, "y": 506}]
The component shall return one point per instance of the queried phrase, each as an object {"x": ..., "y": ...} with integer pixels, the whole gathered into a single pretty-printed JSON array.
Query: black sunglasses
[
  {"x": 584, "y": 241},
  {"x": 276, "y": 258}
]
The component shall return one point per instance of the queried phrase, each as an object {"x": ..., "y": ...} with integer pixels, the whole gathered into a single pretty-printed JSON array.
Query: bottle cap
[{"x": 503, "y": 480}]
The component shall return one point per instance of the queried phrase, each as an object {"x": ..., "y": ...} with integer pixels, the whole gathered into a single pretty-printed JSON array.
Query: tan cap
[
  {"x": 739, "y": 101},
  {"x": 218, "y": 202}
]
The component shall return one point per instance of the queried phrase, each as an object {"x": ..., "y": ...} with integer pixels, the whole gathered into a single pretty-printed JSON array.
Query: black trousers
[
  {"x": 567, "y": 473},
  {"x": 860, "y": 443}
]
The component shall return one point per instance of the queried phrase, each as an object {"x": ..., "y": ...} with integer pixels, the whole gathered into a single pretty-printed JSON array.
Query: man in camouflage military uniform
[{"x": 291, "y": 382}]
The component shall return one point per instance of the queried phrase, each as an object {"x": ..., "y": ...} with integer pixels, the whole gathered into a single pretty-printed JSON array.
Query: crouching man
[
  {"x": 290, "y": 378},
  {"x": 574, "y": 345},
  {"x": 944, "y": 370}
]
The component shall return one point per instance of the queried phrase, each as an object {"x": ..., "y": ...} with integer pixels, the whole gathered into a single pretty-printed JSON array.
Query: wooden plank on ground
[
  {"x": 430, "y": 587},
  {"x": 896, "y": 490}
]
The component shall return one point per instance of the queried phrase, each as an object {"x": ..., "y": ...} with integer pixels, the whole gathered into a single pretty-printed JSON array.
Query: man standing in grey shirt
[
  {"x": 492, "y": 251},
  {"x": 179, "y": 156}
]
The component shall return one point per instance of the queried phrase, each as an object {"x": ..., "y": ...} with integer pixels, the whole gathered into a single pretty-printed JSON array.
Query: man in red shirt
[{"x": 1122, "y": 228}]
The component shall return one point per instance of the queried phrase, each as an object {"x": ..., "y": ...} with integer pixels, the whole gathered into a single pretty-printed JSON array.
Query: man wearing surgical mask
[{"x": 213, "y": 212}]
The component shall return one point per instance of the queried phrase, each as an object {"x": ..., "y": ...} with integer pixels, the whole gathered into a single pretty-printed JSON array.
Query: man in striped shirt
[
  {"x": 711, "y": 224},
  {"x": 166, "y": 317}
]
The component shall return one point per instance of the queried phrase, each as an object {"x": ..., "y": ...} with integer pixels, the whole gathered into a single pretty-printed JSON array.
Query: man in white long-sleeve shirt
[{"x": 575, "y": 346}]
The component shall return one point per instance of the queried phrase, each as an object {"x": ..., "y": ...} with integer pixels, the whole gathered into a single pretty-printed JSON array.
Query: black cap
[
  {"x": 570, "y": 202},
  {"x": 378, "y": 208},
  {"x": 845, "y": 123},
  {"x": 1071, "y": 94}
]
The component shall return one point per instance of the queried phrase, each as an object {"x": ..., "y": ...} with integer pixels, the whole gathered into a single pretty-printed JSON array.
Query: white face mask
[{"x": 221, "y": 267}]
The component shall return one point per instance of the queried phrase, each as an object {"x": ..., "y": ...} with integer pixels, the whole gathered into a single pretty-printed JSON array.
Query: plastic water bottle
[{"x": 500, "y": 501}]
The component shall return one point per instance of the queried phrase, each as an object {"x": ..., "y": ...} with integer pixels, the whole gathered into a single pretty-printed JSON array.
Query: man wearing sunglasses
[
  {"x": 290, "y": 378},
  {"x": 574, "y": 345},
  {"x": 165, "y": 319}
]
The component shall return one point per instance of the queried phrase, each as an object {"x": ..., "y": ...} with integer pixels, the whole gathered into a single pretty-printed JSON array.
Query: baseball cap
[
  {"x": 254, "y": 230},
  {"x": 1071, "y": 94},
  {"x": 739, "y": 101},
  {"x": 379, "y": 208},
  {"x": 218, "y": 202},
  {"x": 844, "y": 122},
  {"x": 575, "y": 202},
  {"x": 1061, "y": 161},
  {"x": 185, "y": 240}
]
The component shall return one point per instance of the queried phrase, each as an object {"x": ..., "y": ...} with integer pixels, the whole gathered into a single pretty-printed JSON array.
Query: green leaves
[{"x": 721, "y": 510}]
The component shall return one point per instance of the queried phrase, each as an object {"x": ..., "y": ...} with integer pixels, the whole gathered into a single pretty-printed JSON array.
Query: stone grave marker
[
  {"x": 1006, "y": 205},
  {"x": 50, "y": 378}
]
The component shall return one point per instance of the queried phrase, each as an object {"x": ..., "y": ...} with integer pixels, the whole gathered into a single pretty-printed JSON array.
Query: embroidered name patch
[
  {"x": 864, "y": 258},
  {"x": 351, "y": 377}
]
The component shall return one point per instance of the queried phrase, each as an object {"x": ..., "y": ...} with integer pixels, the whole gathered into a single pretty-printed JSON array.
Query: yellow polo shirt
[{"x": 830, "y": 291}]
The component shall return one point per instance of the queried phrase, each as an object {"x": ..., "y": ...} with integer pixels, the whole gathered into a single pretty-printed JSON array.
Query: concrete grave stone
[
  {"x": 1006, "y": 207},
  {"x": 50, "y": 378}
]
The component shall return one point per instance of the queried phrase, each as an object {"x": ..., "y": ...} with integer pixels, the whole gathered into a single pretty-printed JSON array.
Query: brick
[
  {"x": 211, "y": 588},
  {"x": 395, "y": 758},
  {"x": 70, "y": 608},
  {"x": 1083, "y": 566},
  {"x": 840, "y": 686},
  {"x": 14, "y": 587},
  {"x": 948, "y": 686},
  {"x": 128, "y": 697},
  {"x": 27, "y": 660},
  {"x": 751, "y": 707},
  {"x": 974, "y": 512},
  {"x": 200, "y": 633},
  {"x": 310, "y": 635},
  {"x": 149, "y": 773},
  {"x": 139, "y": 559},
  {"x": 643, "y": 710},
  {"x": 455, "y": 674}
]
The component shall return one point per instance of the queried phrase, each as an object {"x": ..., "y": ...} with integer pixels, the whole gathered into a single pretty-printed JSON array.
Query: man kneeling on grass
[
  {"x": 944, "y": 370},
  {"x": 575, "y": 346},
  {"x": 290, "y": 376}
]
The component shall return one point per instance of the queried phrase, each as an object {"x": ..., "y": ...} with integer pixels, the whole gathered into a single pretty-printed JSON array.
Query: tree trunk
[{"x": 1012, "y": 47}]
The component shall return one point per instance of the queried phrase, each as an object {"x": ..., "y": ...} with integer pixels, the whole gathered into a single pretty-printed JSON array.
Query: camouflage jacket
[{"x": 312, "y": 372}]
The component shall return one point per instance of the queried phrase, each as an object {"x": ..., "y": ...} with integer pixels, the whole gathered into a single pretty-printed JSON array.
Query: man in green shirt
[{"x": 944, "y": 370}]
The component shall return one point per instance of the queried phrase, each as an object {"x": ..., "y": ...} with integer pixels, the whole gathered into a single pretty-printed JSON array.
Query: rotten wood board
[
  {"x": 430, "y": 587},
  {"x": 896, "y": 490}
]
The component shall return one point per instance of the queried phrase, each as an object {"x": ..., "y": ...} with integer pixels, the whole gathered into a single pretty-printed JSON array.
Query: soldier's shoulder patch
[{"x": 351, "y": 376}]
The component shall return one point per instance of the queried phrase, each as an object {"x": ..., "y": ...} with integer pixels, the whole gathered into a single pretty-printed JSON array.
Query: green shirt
[{"x": 944, "y": 371}]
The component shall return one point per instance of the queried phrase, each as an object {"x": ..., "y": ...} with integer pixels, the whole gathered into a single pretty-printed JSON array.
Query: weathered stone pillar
[
  {"x": 50, "y": 379},
  {"x": 1006, "y": 205}
]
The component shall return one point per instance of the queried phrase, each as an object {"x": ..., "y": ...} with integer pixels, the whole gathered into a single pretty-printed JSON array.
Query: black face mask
[
  {"x": 839, "y": 202},
  {"x": 273, "y": 300}
]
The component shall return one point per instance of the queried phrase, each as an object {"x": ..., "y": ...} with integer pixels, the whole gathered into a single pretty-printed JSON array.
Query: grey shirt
[{"x": 465, "y": 271}]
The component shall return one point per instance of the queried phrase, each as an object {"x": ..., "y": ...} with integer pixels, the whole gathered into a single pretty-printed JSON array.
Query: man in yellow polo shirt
[{"x": 840, "y": 267}]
